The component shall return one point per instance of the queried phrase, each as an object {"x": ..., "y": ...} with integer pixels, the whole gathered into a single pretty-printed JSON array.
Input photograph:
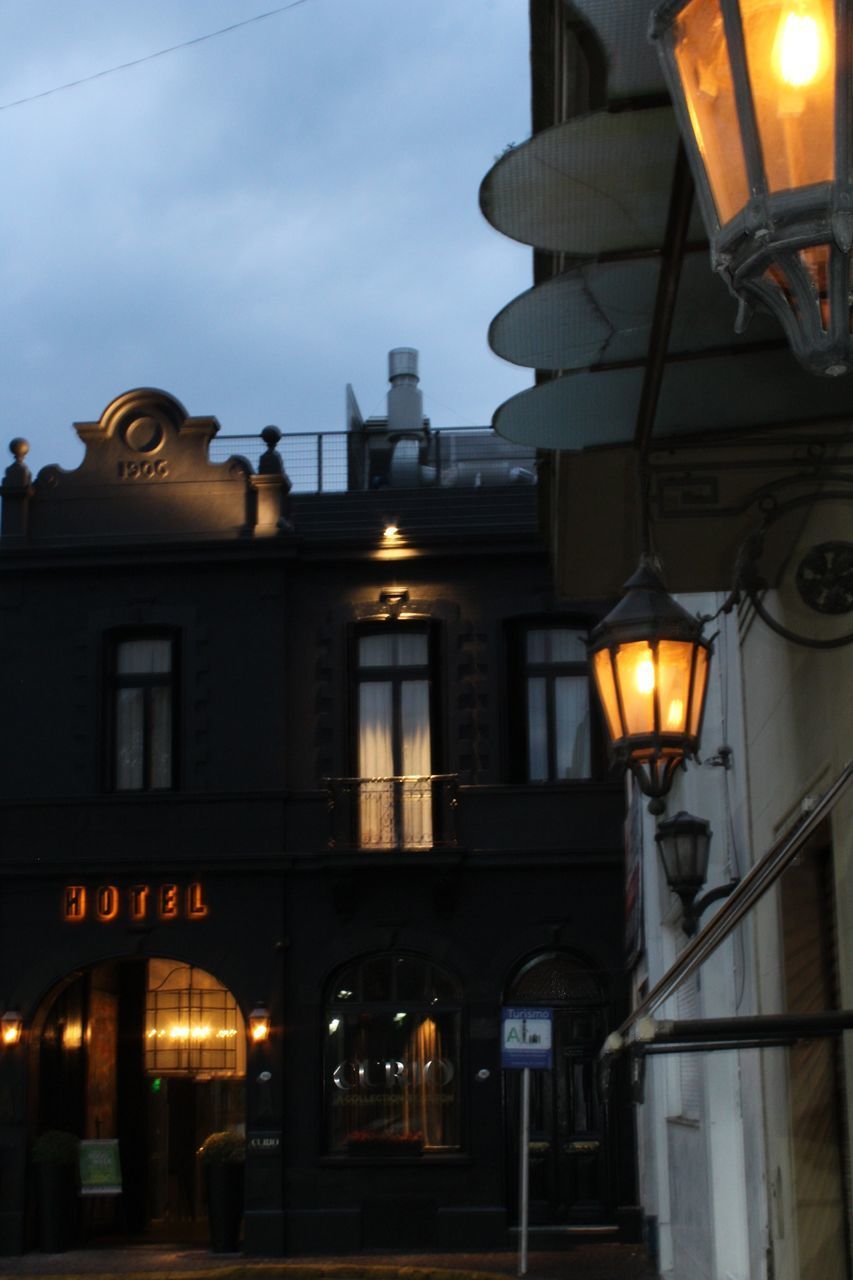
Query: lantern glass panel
[
  {"x": 816, "y": 261},
  {"x": 702, "y": 58},
  {"x": 603, "y": 671},
  {"x": 790, "y": 53},
  {"x": 635, "y": 671},
  {"x": 697, "y": 701},
  {"x": 675, "y": 662}
]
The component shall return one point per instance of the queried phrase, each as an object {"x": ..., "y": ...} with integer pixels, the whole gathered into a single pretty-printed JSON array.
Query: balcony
[{"x": 393, "y": 813}]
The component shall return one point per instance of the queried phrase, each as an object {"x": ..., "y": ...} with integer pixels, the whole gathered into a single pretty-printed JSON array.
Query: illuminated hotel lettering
[
  {"x": 374, "y": 1073},
  {"x": 75, "y": 902},
  {"x": 105, "y": 903}
]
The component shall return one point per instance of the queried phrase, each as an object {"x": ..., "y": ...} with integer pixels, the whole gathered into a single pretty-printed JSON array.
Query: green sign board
[{"x": 100, "y": 1167}]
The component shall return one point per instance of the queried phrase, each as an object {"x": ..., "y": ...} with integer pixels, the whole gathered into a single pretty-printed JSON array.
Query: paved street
[{"x": 582, "y": 1261}]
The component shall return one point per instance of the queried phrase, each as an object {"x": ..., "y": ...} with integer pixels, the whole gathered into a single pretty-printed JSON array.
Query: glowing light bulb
[
  {"x": 645, "y": 675},
  {"x": 675, "y": 714},
  {"x": 800, "y": 53}
]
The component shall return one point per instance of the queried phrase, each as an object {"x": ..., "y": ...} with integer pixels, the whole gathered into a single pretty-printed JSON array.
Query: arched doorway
[
  {"x": 151, "y": 1052},
  {"x": 569, "y": 1166}
]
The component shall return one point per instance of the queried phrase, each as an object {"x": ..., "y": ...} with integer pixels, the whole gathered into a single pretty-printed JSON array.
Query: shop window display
[{"x": 392, "y": 1058}]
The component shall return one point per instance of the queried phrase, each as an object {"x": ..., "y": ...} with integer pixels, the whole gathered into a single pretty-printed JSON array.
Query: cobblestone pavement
[{"x": 581, "y": 1261}]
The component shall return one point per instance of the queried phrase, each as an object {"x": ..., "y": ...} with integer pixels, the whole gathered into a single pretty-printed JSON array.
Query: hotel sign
[{"x": 136, "y": 902}]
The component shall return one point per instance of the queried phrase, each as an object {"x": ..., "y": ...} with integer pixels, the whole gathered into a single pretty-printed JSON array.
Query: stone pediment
[{"x": 145, "y": 475}]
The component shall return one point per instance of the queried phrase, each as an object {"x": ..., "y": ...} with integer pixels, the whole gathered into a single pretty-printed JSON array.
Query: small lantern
[
  {"x": 761, "y": 89},
  {"x": 650, "y": 665},
  {"x": 12, "y": 1025},
  {"x": 259, "y": 1024},
  {"x": 684, "y": 845}
]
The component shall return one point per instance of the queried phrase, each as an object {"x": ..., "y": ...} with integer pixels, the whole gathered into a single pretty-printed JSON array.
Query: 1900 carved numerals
[{"x": 147, "y": 470}]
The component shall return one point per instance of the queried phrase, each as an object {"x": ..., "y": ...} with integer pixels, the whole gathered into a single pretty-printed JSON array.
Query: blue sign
[{"x": 526, "y": 1038}]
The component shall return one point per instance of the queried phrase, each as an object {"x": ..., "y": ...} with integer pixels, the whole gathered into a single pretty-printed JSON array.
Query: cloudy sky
[{"x": 255, "y": 220}]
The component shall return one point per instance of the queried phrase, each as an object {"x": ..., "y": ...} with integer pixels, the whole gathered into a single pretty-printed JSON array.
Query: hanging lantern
[
  {"x": 761, "y": 89},
  {"x": 650, "y": 665}
]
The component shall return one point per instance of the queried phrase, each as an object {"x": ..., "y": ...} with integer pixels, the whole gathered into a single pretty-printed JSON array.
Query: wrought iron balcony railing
[{"x": 404, "y": 812}]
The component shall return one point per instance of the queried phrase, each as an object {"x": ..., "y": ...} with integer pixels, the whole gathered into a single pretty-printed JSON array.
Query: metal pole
[{"x": 524, "y": 1171}]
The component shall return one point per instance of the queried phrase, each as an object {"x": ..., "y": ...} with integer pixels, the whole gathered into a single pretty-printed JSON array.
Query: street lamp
[
  {"x": 684, "y": 844},
  {"x": 650, "y": 665},
  {"x": 761, "y": 90}
]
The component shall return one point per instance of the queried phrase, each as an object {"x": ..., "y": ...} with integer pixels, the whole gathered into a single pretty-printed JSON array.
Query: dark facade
[{"x": 259, "y": 752}]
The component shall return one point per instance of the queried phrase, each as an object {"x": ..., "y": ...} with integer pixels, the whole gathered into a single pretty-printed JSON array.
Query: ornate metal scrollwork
[{"x": 820, "y": 578}]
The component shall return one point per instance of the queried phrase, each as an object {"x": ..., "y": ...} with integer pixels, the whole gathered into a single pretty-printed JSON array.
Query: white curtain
[
  {"x": 375, "y": 761},
  {"x": 571, "y": 723},
  {"x": 416, "y": 794},
  {"x": 381, "y": 827}
]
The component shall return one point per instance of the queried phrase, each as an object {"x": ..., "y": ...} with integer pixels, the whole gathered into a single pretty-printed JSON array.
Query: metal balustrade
[
  {"x": 393, "y": 813},
  {"x": 338, "y": 461}
]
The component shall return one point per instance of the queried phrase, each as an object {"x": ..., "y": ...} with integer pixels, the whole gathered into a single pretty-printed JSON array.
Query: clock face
[{"x": 825, "y": 578}]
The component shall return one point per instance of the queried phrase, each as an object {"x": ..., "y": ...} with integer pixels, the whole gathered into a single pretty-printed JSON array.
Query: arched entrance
[
  {"x": 569, "y": 1173},
  {"x": 151, "y": 1052}
]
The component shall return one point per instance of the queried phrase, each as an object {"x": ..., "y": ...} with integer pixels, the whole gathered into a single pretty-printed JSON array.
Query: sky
[{"x": 254, "y": 221}]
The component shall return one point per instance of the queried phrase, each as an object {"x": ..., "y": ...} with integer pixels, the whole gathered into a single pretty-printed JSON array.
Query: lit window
[
  {"x": 392, "y": 1058},
  {"x": 557, "y": 704},
  {"x": 142, "y": 713},
  {"x": 394, "y": 739}
]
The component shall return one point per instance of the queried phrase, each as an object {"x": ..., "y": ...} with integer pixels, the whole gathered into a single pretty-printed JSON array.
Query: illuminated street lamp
[
  {"x": 650, "y": 665},
  {"x": 761, "y": 89}
]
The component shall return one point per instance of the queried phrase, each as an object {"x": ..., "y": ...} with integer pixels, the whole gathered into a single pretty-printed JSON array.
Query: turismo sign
[{"x": 526, "y": 1038}]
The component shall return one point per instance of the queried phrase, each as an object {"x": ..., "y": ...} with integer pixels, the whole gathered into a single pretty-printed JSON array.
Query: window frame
[
  {"x": 113, "y": 682},
  {"x": 520, "y": 670},
  {"x": 395, "y": 675},
  {"x": 332, "y": 1008}
]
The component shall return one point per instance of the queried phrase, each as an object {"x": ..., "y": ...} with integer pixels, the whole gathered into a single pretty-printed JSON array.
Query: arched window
[
  {"x": 552, "y": 978},
  {"x": 391, "y": 1051}
]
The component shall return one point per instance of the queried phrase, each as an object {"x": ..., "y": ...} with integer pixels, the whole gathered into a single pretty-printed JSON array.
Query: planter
[
  {"x": 225, "y": 1204},
  {"x": 56, "y": 1198}
]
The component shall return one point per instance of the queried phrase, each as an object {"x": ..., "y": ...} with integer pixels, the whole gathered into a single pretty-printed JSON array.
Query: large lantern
[
  {"x": 650, "y": 665},
  {"x": 761, "y": 90}
]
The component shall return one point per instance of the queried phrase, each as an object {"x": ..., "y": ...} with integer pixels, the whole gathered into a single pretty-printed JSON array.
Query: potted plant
[
  {"x": 367, "y": 1142},
  {"x": 55, "y": 1156},
  {"x": 223, "y": 1157}
]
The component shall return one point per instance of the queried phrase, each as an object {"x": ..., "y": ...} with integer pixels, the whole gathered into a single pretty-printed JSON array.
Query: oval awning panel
[
  {"x": 601, "y": 313},
  {"x": 579, "y": 411},
  {"x": 597, "y": 184}
]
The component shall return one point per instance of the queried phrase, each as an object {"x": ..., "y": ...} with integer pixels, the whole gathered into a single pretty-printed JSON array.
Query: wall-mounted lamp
[
  {"x": 393, "y": 599},
  {"x": 762, "y": 90},
  {"x": 650, "y": 665},
  {"x": 390, "y": 532},
  {"x": 259, "y": 1024},
  {"x": 684, "y": 844},
  {"x": 11, "y": 1026}
]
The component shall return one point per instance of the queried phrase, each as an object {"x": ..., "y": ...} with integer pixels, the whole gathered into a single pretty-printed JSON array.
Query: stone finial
[
  {"x": 18, "y": 473},
  {"x": 270, "y": 463}
]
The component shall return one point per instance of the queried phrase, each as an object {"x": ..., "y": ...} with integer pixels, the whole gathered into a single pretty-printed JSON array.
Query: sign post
[{"x": 525, "y": 1044}]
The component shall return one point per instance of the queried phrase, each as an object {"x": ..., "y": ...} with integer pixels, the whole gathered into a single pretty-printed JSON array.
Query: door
[{"x": 568, "y": 1164}]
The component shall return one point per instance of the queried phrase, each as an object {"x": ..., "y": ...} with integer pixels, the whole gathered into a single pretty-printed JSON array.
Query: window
[
  {"x": 142, "y": 713},
  {"x": 392, "y": 1057},
  {"x": 556, "y": 687},
  {"x": 394, "y": 739}
]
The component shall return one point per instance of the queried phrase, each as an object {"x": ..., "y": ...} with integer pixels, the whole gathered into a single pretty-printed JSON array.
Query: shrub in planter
[
  {"x": 55, "y": 1155},
  {"x": 223, "y": 1156}
]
